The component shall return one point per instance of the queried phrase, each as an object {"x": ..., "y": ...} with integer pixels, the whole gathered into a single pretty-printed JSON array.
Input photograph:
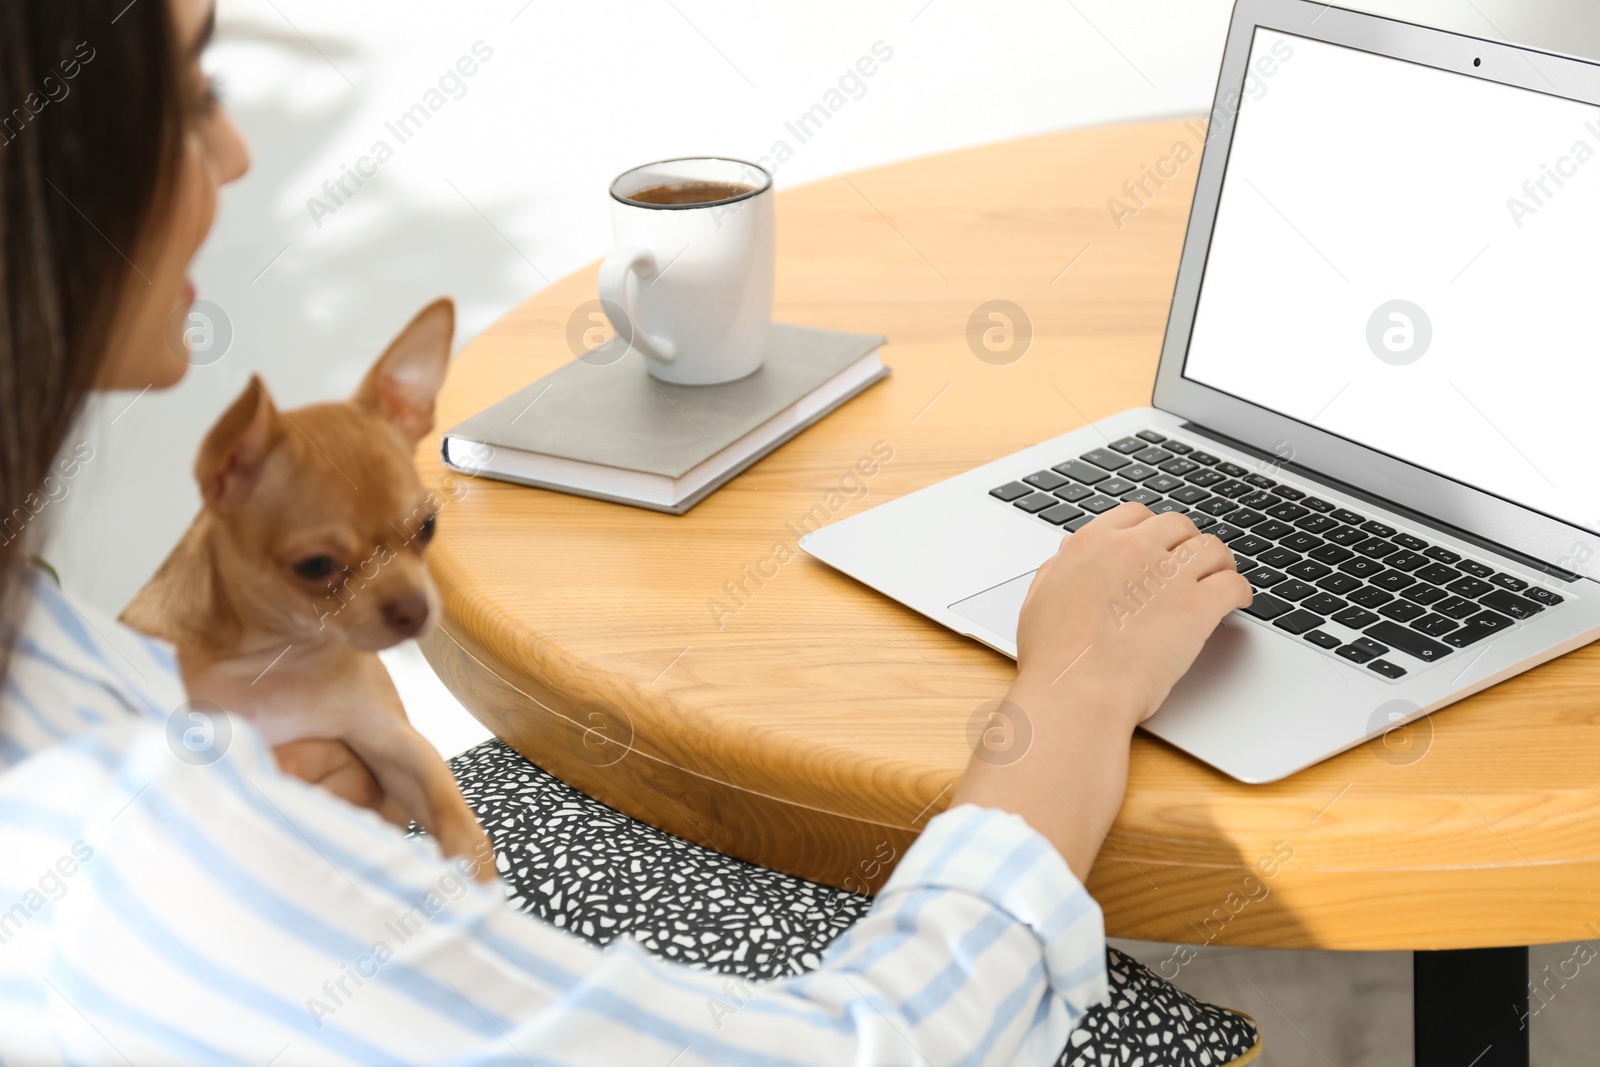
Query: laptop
[{"x": 1379, "y": 385}]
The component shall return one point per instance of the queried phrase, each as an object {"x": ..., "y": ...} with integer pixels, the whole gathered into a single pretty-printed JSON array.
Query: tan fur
[{"x": 298, "y": 656}]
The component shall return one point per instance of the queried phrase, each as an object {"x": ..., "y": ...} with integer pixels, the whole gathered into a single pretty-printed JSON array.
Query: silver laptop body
[{"x": 1381, "y": 360}]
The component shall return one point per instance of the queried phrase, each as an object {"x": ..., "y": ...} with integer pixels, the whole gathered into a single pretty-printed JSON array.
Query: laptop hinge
[{"x": 1420, "y": 519}]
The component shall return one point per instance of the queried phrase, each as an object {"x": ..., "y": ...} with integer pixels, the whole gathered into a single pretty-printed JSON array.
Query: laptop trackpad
[{"x": 998, "y": 608}]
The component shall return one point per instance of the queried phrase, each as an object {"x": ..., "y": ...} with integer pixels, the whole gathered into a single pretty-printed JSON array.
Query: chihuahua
[{"x": 305, "y": 560}]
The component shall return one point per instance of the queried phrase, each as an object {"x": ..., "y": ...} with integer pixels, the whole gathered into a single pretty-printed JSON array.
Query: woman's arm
[{"x": 1110, "y": 624}]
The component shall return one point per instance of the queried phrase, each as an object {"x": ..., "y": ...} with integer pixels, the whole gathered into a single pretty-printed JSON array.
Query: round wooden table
[{"x": 703, "y": 674}]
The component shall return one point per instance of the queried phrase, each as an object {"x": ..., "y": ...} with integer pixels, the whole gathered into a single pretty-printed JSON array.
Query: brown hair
[{"x": 91, "y": 118}]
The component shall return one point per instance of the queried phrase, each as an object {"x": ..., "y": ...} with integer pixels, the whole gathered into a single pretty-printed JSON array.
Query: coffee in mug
[{"x": 689, "y": 284}]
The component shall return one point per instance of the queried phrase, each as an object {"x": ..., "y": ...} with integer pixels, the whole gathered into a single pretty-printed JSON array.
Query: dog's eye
[
  {"x": 425, "y": 531},
  {"x": 313, "y": 568}
]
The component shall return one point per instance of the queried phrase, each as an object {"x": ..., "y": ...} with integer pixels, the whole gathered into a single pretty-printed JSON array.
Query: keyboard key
[
  {"x": 1116, "y": 486},
  {"x": 1368, "y": 597},
  {"x": 1105, "y": 457},
  {"x": 1232, "y": 470},
  {"x": 1246, "y": 517},
  {"x": 1310, "y": 570},
  {"x": 1378, "y": 529},
  {"x": 1264, "y": 577},
  {"x": 1408, "y": 641},
  {"x": 1178, "y": 466},
  {"x": 1162, "y": 483},
  {"x": 1470, "y": 588},
  {"x": 1393, "y": 581},
  {"x": 1505, "y": 602},
  {"x": 1457, "y": 608},
  {"x": 1298, "y": 621},
  {"x": 1260, "y": 481},
  {"x": 1355, "y": 618},
  {"x": 1354, "y": 654},
  {"x": 1323, "y": 604},
  {"x": 1060, "y": 513},
  {"x": 1129, "y": 444},
  {"x": 1046, "y": 480},
  {"x": 1435, "y": 625},
  {"x": 1342, "y": 584},
  {"x": 1153, "y": 456},
  {"x": 1281, "y": 558},
  {"x": 1477, "y": 628},
  {"x": 1406, "y": 561},
  {"x": 1011, "y": 491},
  {"x": 1201, "y": 522},
  {"x": 1300, "y": 542},
  {"x": 1227, "y": 532},
  {"x": 1137, "y": 472},
  {"x": 1345, "y": 515},
  {"x": 1507, "y": 581},
  {"x": 1316, "y": 503},
  {"x": 1205, "y": 479},
  {"x": 1423, "y": 593},
  {"x": 1317, "y": 524},
  {"x": 1346, "y": 535},
  {"x": 1289, "y": 492},
  {"x": 1294, "y": 589},
  {"x": 1231, "y": 489},
  {"x": 1217, "y": 506},
  {"x": 1361, "y": 567},
  {"x": 1387, "y": 669},
  {"x": 1376, "y": 547},
  {"x": 1077, "y": 524},
  {"x": 1205, "y": 459},
  {"x": 1547, "y": 597},
  {"x": 1073, "y": 492},
  {"x": 1288, "y": 512},
  {"x": 1267, "y": 606},
  {"x": 1189, "y": 495},
  {"x": 1443, "y": 555},
  {"x": 1167, "y": 506},
  {"x": 1080, "y": 471},
  {"x": 1438, "y": 574},
  {"x": 1272, "y": 529},
  {"x": 1151, "y": 436},
  {"x": 1141, "y": 496},
  {"x": 1036, "y": 502},
  {"x": 1402, "y": 611},
  {"x": 1474, "y": 568},
  {"x": 1322, "y": 639},
  {"x": 1251, "y": 545},
  {"x": 1099, "y": 503},
  {"x": 1415, "y": 544},
  {"x": 1261, "y": 500},
  {"x": 1179, "y": 447},
  {"x": 1244, "y": 564}
]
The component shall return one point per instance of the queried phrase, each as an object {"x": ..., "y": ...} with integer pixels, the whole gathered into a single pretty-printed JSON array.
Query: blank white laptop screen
[{"x": 1410, "y": 258}]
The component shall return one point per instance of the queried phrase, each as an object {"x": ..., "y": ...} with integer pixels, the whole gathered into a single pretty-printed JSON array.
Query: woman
[{"x": 155, "y": 907}]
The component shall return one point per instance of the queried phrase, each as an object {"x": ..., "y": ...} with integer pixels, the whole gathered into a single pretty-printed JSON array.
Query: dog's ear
[
  {"x": 402, "y": 385},
  {"x": 234, "y": 451}
]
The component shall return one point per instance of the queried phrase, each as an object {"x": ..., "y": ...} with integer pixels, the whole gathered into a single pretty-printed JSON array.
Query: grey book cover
[{"x": 606, "y": 409}]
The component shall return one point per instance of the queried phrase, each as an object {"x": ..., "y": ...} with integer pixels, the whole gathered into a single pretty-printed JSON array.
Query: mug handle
[{"x": 614, "y": 299}]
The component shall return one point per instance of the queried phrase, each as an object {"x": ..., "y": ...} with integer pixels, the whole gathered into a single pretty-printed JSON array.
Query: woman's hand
[
  {"x": 335, "y": 767},
  {"x": 1110, "y": 624}
]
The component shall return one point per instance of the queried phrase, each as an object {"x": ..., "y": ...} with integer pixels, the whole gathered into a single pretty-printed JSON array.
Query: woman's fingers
[{"x": 1124, "y": 516}]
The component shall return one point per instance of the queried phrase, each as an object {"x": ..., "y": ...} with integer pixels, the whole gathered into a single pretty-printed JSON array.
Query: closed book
[{"x": 602, "y": 427}]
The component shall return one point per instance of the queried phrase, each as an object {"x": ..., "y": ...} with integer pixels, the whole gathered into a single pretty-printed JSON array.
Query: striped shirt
[{"x": 168, "y": 897}]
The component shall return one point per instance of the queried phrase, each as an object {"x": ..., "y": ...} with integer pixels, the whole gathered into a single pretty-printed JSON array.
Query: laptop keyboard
[{"x": 1323, "y": 573}]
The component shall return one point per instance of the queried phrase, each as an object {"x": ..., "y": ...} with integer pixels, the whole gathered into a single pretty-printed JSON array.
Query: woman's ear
[
  {"x": 236, "y": 448},
  {"x": 402, "y": 385}
]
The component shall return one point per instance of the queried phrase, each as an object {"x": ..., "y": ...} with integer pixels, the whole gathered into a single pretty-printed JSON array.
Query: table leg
[{"x": 1471, "y": 1007}]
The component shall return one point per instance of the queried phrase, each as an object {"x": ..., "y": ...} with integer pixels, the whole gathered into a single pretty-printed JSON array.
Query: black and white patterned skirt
[{"x": 587, "y": 868}]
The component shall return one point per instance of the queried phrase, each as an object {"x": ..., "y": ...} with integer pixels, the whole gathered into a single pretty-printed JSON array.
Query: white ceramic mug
[{"x": 689, "y": 286}]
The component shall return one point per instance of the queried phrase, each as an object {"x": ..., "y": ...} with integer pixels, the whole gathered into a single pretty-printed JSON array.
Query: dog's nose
[{"x": 408, "y": 614}]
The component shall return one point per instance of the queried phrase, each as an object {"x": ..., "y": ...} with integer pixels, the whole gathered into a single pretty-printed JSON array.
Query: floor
[{"x": 501, "y": 191}]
